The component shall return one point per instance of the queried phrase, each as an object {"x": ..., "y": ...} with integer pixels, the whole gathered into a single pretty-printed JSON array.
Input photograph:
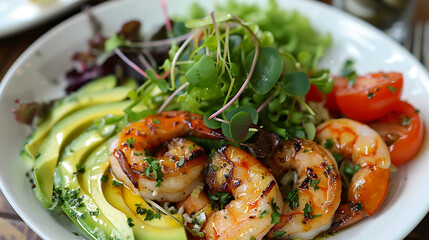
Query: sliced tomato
[
  {"x": 402, "y": 130},
  {"x": 371, "y": 97}
]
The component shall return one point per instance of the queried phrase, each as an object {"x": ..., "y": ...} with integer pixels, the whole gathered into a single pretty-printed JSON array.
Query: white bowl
[{"x": 36, "y": 75}]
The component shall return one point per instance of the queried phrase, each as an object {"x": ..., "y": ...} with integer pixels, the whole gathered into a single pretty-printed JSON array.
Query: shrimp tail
[{"x": 346, "y": 215}]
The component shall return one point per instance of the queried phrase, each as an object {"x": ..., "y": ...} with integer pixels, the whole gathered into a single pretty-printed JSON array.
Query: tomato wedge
[
  {"x": 371, "y": 97},
  {"x": 402, "y": 130}
]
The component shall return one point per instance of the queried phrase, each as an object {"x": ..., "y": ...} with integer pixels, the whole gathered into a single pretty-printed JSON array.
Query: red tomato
[
  {"x": 315, "y": 95},
  {"x": 402, "y": 130},
  {"x": 371, "y": 97}
]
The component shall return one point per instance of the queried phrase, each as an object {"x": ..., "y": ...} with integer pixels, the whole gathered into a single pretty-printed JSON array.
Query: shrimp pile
[{"x": 154, "y": 158}]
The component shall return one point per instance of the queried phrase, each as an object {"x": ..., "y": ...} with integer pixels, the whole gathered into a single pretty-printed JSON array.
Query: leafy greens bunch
[{"x": 242, "y": 75}]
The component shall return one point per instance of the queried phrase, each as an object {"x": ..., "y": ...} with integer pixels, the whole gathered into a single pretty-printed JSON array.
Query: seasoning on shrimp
[
  {"x": 370, "y": 163},
  {"x": 255, "y": 192},
  {"x": 176, "y": 169},
  {"x": 311, "y": 204}
]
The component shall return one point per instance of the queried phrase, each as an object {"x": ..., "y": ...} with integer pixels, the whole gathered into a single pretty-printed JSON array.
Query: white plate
[
  {"x": 31, "y": 78},
  {"x": 18, "y": 15}
]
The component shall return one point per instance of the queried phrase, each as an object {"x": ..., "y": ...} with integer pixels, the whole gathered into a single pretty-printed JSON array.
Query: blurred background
[{"x": 23, "y": 21}]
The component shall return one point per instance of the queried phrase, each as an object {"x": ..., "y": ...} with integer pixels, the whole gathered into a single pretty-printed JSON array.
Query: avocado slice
[
  {"x": 58, "y": 137},
  {"x": 96, "y": 164},
  {"x": 125, "y": 200},
  {"x": 75, "y": 201},
  {"x": 91, "y": 95},
  {"x": 101, "y": 84}
]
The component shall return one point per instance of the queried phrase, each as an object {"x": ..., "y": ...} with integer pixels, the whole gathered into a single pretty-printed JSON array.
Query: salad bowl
[{"x": 39, "y": 75}]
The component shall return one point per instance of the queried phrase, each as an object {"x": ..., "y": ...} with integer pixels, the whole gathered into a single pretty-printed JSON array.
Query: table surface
[{"x": 12, "y": 227}]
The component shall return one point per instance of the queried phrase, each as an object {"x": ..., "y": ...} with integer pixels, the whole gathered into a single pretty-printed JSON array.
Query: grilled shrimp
[
  {"x": 254, "y": 188},
  {"x": 362, "y": 146},
  {"x": 311, "y": 205},
  {"x": 175, "y": 170}
]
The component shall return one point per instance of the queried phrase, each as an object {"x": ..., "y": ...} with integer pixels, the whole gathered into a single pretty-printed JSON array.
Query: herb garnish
[
  {"x": 350, "y": 169},
  {"x": 392, "y": 89},
  {"x": 130, "y": 222},
  {"x": 275, "y": 216},
  {"x": 314, "y": 183},
  {"x": 406, "y": 121},
  {"x": 264, "y": 213},
  {"x": 116, "y": 183},
  {"x": 80, "y": 168},
  {"x": 219, "y": 199},
  {"x": 104, "y": 178},
  {"x": 279, "y": 234},
  {"x": 307, "y": 210},
  {"x": 329, "y": 143},
  {"x": 337, "y": 156},
  {"x": 292, "y": 198},
  {"x": 130, "y": 142},
  {"x": 153, "y": 167}
]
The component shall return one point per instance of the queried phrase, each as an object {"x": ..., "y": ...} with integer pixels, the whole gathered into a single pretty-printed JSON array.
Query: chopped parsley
[
  {"x": 391, "y": 89},
  {"x": 95, "y": 213},
  {"x": 214, "y": 168},
  {"x": 370, "y": 95},
  {"x": 130, "y": 142},
  {"x": 278, "y": 234},
  {"x": 153, "y": 167},
  {"x": 314, "y": 183},
  {"x": 337, "y": 156},
  {"x": 149, "y": 213},
  {"x": 220, "y": 200},
  {"x": 252, "y": 238},
  {"x": 406, "y": 121},
  {"x": 350, "y": 169},
  {"x": 329, "y": 143},
  {"x": 156, "y": 121},
  {"x": 307, "y": 211},
  {"x": 147, "y": 152},
  {"x": 80, "y": 168},
  {"x": 275, "y": 216},
  {"x": 292, "y": 198},
  {"x": 358, "y": 206},
  {"x": 116, "y": 183},
  {"x": 316, "y": 215},
  {"x": 191, "y": 147},
  {"x": 349, "y": 71},
  {"x": 130, "y": 222},
  {"x": 104, "y": 178},
  {"x": 137, "y": 154},
  {"x": 264, "y": 213}
]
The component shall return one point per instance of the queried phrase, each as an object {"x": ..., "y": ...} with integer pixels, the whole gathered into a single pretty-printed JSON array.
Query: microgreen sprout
[{"x": 130, "y": 63}]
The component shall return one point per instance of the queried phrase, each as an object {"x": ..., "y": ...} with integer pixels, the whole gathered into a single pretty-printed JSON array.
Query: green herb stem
[
  {"x": 249, "y": 76},
  {"x": 268, "y": 100},
  {"x": 216, "y": 27},
  {"x": 168, "y": 100},
  {"x": 176, "y": 57},
  {"x": 142, "y": 59},
  {"x": 130, "y": 63}
]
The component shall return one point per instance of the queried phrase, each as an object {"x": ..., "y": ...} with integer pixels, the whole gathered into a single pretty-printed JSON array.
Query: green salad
[{"x": 245, "y": 69}]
